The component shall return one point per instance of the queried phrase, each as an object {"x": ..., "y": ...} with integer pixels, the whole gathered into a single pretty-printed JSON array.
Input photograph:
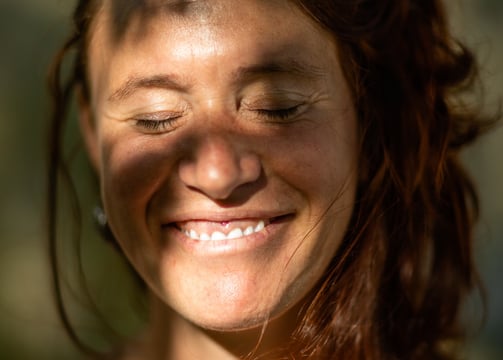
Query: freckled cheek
[
  {"x": 132, "y": 171},
  {"x": 310, "y": 161}
]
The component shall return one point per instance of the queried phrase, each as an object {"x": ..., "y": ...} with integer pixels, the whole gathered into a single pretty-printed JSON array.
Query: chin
[
  {"x": 229, "y": 318},
  {"x": 245, "y": 317},
  {"x": 233, "y": 324}
]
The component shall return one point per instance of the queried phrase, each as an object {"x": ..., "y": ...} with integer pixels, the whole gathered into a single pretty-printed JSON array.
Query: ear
[{"x": 88, "y": 128}]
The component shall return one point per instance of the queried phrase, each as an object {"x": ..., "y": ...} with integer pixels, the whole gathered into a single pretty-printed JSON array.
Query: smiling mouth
[{"x": 201, "y": 230}]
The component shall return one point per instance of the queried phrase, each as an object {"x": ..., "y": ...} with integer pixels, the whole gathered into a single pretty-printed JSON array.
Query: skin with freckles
[{"x": 219, "y": 120}]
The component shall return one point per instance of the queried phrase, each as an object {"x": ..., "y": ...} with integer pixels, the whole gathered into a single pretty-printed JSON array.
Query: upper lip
[{"x": 225, "y": 216}]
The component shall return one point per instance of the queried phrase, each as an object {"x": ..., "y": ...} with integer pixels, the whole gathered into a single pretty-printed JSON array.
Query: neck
[{"x": 172, "y": 337}]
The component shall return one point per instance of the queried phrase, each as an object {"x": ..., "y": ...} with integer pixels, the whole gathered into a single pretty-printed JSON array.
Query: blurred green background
[{"x": 30, "y": 32}]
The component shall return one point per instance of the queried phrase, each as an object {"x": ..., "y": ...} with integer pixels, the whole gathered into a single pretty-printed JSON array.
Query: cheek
[
  {"x": 127, "y": 171},
  {"x": 132, "y": 170},
  {"x": 320, "y": 162}
]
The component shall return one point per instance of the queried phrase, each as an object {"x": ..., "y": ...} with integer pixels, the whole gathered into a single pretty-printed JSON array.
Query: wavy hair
[{"x": 396, "y": 286}]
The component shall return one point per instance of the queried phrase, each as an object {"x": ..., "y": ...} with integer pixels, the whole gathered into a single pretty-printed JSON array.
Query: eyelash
[
  {"x": 154, "y": 126},
  {"x": 279, "y": 114},
  {"x": 165, "y": 125}
]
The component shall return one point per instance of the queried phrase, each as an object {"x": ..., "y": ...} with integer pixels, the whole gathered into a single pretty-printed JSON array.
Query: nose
[{"x": 218, "y": 166}]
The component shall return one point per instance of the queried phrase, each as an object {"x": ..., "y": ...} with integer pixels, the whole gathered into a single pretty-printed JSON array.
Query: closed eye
[
  {"x": 157, "y": 123},
  {"x": 279, "y": 114}
]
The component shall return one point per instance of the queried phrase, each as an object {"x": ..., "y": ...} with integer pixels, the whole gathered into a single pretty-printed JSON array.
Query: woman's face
[{"x": 226, "y": 145}]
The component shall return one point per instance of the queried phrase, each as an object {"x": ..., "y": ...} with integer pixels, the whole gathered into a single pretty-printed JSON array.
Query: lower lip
[{"x": 252, "y": 242}]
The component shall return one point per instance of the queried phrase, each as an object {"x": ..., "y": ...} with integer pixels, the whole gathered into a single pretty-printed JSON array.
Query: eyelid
[
  {"x": 158, "y": 122},
  {"x": 159, "y": 115},
  {"x": 270, "y": 98},
  {"x": 276, "y": 107},
  {"x": 282, "y": 114},
  {"x": 152, "y": 106}
]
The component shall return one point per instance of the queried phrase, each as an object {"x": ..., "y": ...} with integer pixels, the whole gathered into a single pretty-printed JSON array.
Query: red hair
[{"x": 396, "y": 287}]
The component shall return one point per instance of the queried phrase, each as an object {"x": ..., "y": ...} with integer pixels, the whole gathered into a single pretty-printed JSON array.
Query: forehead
[
  {"x": 156, "y": 24},
  {"x": 203, "y": 41},
  {"x": 123, "y": 17}
]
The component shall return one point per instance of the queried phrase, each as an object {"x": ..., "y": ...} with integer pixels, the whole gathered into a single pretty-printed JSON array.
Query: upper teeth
[{"x": 217, "y": 235}]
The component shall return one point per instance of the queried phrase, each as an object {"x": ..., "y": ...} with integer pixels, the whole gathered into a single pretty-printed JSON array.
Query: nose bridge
[{"x": 219, "y": 163}]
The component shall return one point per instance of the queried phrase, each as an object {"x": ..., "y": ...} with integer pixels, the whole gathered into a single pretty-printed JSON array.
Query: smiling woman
[
  {"x": 282, "y": 175},
  {"x": 218, "y": 151}
]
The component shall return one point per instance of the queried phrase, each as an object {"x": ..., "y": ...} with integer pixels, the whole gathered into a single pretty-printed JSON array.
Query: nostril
[{"x": 251, "y": 168}]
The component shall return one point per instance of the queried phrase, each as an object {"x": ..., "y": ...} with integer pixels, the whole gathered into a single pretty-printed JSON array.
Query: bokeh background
[{"x": 30, "y": 32}]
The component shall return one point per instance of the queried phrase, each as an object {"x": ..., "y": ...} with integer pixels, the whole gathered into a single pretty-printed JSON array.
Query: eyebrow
[
  {"x": 242, "y": 74},
  {"x": 134, "y": 83}
]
